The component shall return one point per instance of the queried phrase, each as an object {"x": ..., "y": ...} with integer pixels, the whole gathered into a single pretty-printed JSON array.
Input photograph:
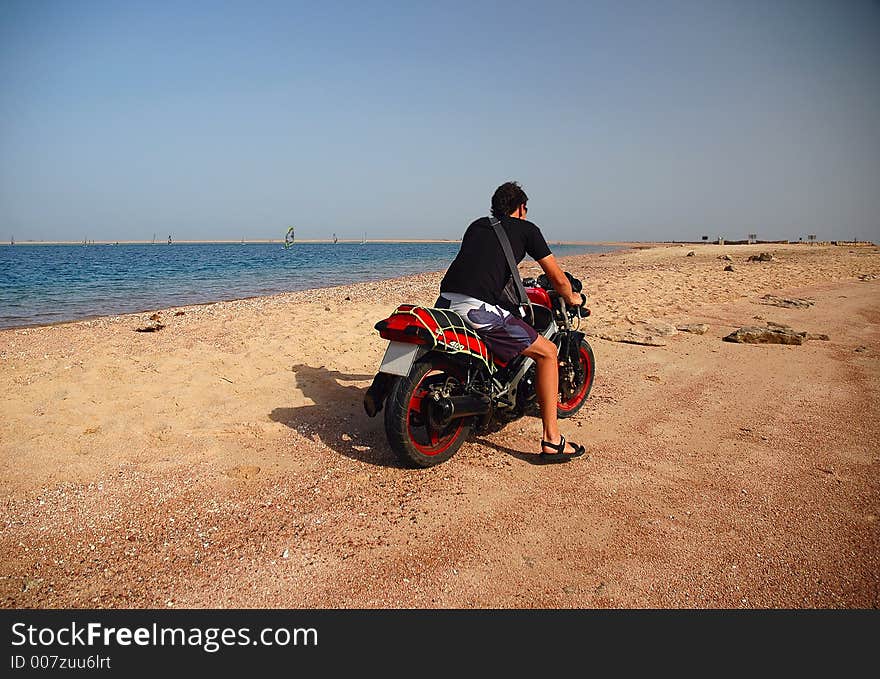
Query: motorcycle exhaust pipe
[{"x": 464, "y": 406}]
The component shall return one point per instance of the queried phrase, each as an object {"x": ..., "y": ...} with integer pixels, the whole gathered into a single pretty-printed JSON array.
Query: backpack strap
[{"x": 511, "y": 262}]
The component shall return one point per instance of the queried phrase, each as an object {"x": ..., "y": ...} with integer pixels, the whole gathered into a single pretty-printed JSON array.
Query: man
[{"x": 472, "y": 287}]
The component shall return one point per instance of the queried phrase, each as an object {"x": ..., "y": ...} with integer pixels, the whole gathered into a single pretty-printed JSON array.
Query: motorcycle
[{"x": 438, "y": 381}]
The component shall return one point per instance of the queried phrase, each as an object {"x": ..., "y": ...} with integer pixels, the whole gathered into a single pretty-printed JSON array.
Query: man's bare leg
[{"x": 543, "y": 351}]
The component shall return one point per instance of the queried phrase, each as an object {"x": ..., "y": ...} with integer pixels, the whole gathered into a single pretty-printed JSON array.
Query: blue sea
[{"x": 41, "y": 284}]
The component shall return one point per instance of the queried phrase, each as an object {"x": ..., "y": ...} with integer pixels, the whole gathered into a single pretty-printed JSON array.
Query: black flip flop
[{"x": 561, "y": 456}]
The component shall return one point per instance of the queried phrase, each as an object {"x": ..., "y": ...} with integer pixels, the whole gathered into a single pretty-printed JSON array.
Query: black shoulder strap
[{"x": 511, "y": 262}]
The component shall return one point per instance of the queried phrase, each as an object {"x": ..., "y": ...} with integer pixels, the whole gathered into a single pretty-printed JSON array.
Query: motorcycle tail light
[{"x": 399, "y": 332}]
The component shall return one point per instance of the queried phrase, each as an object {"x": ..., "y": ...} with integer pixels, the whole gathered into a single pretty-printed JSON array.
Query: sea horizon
[{"x": 280, "y": 241}]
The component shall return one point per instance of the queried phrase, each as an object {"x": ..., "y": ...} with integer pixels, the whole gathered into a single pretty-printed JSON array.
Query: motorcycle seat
[{"x": 442, "y": 328}]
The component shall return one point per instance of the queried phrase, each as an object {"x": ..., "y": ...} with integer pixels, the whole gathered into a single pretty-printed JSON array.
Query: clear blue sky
[{"x": 622, "y": 120}]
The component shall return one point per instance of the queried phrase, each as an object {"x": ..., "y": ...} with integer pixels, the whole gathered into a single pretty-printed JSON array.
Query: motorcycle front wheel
[
  {"x": 584, "y": 371},
  {"x": 415, "y": 436}
]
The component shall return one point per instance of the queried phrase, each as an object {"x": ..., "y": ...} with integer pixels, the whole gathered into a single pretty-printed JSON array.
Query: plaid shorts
[{"x": 506, "y": 335}]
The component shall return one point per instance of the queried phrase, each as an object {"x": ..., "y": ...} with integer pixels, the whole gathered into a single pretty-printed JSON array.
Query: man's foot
[{"x": 560, "y": 455}]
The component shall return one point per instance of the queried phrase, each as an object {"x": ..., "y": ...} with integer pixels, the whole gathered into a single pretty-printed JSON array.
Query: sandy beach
[{"x": 225, "y": 461}]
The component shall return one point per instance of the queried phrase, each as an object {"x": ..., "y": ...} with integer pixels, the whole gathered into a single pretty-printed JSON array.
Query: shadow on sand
[
  {"x": 338, "y": 419},
  {"x": 518, "y": 454},
  {"x": 337, "y": 416}
]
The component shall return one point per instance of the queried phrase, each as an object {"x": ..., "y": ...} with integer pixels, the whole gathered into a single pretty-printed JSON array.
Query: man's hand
[{"x": 576, "y": 299}]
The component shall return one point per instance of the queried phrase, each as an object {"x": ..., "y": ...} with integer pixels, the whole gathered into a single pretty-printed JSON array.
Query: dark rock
[
  {"x": 787, "y": 302},
  {"x": 729, "y": 267},
  {"x": 659, "y": 329},
  {"x": 691, "y": 254},
  {"x": 632, "y": 337},
  {"x": 757, "y": 335},
  {"x": 695, "y": 328}
]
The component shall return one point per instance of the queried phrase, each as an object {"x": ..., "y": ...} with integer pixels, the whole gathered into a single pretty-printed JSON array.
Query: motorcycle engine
[{"x": 526, "y": 403}]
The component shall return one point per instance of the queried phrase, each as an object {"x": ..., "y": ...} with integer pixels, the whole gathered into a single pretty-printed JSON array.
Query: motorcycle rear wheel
[
  {"x": 407, "y": 423},
  {"x": 584, "y": 379}
]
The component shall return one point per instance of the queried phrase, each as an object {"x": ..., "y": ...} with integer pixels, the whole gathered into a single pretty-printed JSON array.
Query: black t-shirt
[{"x": 480, "y": 268}]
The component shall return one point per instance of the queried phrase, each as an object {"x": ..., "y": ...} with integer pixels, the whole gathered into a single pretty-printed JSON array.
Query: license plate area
[{"x": 399, "y": 358}]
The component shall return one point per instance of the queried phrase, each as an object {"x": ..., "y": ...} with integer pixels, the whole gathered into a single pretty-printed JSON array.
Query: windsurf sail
[{"x": 288, "y": 238}]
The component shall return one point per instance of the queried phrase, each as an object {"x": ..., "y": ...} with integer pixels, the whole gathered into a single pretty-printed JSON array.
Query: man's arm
[{"x": 559, "y": 280}]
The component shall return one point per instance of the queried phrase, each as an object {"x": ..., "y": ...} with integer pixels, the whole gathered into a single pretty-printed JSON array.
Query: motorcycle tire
[
  {"x": 407, "y": 422},
  {"x": 587, "y": 370}
]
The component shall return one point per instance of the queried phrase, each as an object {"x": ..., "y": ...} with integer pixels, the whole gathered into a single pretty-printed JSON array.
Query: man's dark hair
[{"x": 507, "y": 198}]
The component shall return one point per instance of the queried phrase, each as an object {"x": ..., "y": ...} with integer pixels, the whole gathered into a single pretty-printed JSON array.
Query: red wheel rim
[
  {"x": 587, "y": 368},
  {"x": 436, "y": 442}
]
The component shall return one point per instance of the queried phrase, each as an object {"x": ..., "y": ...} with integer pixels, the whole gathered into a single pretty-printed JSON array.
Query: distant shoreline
[
  {"x": 279, "y": 241},
  {"x": 264, "y": 241},
  {"x": 270, "y": 241}
]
